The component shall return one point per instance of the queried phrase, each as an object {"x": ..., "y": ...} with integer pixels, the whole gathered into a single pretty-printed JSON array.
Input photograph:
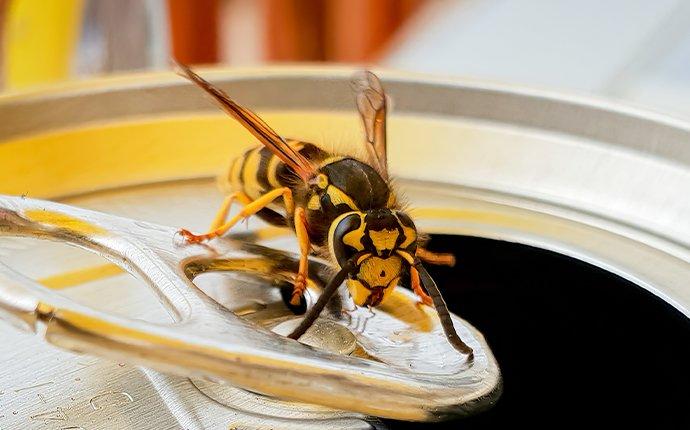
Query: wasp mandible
[{"x": 339, "y": 207}]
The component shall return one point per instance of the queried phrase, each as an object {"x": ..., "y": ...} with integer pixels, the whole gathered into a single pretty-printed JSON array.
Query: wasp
[{"x": 340, "y": 207}]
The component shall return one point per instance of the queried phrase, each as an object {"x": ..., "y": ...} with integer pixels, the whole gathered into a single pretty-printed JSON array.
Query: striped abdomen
[
  {"x": 258, "y": 171},
  {"x": 346, "y": 185}
]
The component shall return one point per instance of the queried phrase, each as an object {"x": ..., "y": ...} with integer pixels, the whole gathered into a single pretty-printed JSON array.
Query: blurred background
[{"x": 635, "y": 50}]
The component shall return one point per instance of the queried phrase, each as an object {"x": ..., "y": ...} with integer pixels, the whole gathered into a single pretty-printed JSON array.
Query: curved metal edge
[
  {"x": 604, "y": 243},
  {"x": 230, "y": 349},
  {"x": 119, "y": 97}
]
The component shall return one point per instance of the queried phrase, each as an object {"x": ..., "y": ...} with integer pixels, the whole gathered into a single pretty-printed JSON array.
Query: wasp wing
[
  {"x": 255, "y": 125},
  {"x": 372, "y": 105}
]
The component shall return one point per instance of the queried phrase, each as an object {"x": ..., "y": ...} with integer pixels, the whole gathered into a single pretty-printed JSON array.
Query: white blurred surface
[{"x": 635, "y": 50}]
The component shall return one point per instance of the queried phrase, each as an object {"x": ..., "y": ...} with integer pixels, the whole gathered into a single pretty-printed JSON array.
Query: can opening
[{"x": 608, "y": 348}]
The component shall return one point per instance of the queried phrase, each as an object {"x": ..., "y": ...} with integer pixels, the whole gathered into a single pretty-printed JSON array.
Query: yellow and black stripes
[
  {"x": 374, "y": 238},
  {"x": 258, "y": 171},
  {"x": 354, "y": 184},
  {"x": 342, "y": 184},
  {"x": 250, "y": 174},
  {"x": 378, "y": 232}
]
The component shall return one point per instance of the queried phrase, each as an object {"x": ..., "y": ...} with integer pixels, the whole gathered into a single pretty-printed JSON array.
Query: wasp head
[{"x": 373, "y": 239}]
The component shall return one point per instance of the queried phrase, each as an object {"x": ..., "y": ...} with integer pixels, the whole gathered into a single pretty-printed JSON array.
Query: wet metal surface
[
  {"x": 209, "y": 341},
  {"x": 589, "y": 179}
]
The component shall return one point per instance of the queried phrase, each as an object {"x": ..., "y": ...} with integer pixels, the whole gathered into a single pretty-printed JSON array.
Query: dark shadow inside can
[{"x": 575, "y": 344}]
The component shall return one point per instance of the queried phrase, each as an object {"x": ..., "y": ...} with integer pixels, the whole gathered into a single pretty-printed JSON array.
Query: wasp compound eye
[
  {"x": 409, "y": 243},
  {"x": 346, "y": 237}
]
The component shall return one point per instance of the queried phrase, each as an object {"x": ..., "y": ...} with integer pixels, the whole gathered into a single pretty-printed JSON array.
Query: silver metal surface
[
  {"x": 209, "y": 341},
  {"x": 602, "y": 183}
]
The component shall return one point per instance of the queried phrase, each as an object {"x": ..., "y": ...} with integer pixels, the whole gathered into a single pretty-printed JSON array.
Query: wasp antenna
[
  {"x": 442, "y": 311},
  {"x": 320, "y": 304}
]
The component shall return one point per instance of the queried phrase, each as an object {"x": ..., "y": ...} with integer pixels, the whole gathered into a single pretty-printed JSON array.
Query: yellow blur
[{"x": 41, "y": 37}]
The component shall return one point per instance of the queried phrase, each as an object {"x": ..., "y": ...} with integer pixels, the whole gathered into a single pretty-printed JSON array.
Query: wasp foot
[
  {"x": 191, "y": 238},
  {"x": 298, "y": 290}
]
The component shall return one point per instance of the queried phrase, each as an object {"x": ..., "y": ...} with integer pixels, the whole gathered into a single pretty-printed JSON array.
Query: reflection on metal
[
  {"x": 209, "y": 341},
  {"x": 599, "y": 182},
  {"x": 104, "y": 400}
]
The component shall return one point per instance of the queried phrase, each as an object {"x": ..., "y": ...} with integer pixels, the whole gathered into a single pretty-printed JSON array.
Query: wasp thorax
[{"x": 372, "y": 237}]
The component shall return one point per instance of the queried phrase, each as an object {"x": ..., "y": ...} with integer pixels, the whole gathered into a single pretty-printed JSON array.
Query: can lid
[{"x": 397, "y": 354}]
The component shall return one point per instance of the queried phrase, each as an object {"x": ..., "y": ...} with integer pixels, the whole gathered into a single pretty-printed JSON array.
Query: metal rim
[
  {"x": 649, "y": 149},
  {"x": 604, "y": 184}
]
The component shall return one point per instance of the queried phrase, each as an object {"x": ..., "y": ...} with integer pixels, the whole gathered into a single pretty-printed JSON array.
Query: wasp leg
[
  {"x": 305, "y": 249},
  {"x": 436, "y": 258},
  {"x": 417, "y": 287},
  {"x": 222, "y": 213},
  {"x": 250, "y": 209}
]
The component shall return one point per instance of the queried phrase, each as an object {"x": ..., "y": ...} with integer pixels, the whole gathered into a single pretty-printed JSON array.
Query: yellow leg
[
  {"x": 438, "y": 259},
  {"x": 417, "y": 287},
  {"x": 304, "y": 248},
  {"x": 250, "y": 209},
  {"x": 222, "y": 213}
]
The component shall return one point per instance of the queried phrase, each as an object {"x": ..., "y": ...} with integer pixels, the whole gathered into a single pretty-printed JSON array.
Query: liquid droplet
[{"x": 111, "y": 398}]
